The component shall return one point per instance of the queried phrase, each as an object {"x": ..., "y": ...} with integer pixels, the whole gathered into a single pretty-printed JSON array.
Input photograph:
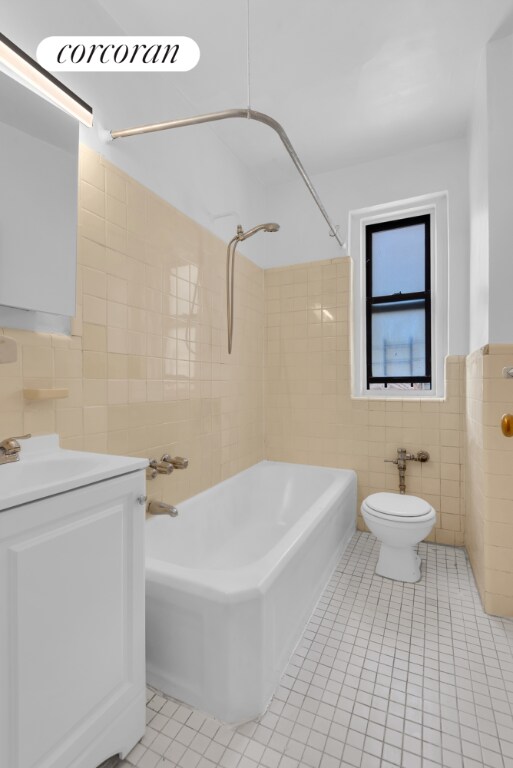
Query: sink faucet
[{"x": 10, "y": 449}]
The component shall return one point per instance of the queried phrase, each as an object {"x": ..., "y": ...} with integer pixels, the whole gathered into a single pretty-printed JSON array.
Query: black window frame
[{"x": 422, "y": 297}]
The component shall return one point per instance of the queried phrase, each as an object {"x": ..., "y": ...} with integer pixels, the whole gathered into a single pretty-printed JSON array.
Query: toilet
[{"x": 400, "y": 522}]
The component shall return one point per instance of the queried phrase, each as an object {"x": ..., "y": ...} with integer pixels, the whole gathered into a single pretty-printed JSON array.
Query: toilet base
[{"x": 398, "y": 563}]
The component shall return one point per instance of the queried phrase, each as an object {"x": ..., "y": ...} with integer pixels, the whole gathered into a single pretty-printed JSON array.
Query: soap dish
[{"x": 45, "y": 394}]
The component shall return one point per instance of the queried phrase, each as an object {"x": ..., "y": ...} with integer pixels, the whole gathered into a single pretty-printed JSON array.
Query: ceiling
[{"x": 349, "y": 80}]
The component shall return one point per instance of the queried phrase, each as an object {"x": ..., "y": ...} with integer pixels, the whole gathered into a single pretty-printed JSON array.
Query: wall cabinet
[
  {"x": 72, "y": 678},
  {"x": 38, "y": 202}
]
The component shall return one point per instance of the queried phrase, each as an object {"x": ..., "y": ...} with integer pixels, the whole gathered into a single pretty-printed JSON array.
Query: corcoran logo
[{"x": 118, "y": 54}]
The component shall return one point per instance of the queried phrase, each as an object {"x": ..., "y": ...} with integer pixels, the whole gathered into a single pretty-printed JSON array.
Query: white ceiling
[{"x": 349, "y": 80}]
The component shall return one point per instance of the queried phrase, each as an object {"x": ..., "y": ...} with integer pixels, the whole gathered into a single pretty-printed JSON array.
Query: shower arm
[{"x": 249, "y": 114}]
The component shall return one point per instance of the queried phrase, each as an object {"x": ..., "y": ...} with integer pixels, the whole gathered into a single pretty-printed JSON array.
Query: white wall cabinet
[
  {"x": 38, "y": 202},
  {"x": 72, "y": 679}
]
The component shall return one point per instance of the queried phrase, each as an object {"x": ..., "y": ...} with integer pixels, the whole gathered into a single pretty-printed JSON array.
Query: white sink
[{"x": 44, "y": 469}]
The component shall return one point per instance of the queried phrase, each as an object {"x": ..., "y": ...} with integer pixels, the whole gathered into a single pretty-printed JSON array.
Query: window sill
[{"x": 401, "y": 397}]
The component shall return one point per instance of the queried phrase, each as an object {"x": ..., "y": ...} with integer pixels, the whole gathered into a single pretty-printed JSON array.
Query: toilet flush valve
[
  {"x": 400, "y": 461},
  {"x": 402, "y": 455}
]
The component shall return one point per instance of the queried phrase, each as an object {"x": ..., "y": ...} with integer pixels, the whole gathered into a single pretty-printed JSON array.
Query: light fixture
[{"x": 42, "y": 82}]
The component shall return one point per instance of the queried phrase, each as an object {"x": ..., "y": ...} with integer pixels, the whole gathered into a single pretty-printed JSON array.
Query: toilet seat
[{"x": 399, "y": 508}]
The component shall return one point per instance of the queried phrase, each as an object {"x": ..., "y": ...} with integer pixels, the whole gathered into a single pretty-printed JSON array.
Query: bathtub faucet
[
  {"x": 166, "y": 465},
  {"x": 177, "y": 462},
  {"x": 161, "y": 508}
]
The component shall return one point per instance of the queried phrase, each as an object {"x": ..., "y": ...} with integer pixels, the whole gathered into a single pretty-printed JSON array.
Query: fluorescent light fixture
[{"x": 42, "y": 82}]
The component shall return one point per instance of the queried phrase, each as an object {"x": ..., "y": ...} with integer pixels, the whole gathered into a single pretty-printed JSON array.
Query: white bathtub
[{"x": 231, "y": 582}]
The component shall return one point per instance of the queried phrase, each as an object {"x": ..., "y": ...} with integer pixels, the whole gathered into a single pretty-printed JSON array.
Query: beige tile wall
[
  {"x": 490, "y": 477},
  {"x": 148, "y": 371},
  {"x": 147, "y": 367},
  {"x": 311, "y": 418}
]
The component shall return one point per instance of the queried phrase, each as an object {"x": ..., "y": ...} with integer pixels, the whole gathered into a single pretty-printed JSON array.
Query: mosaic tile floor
[{"x": 386, "y": 674}]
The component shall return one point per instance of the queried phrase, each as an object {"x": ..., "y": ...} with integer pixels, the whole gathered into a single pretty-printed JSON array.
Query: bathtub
[{"x": 232, "y": 581}]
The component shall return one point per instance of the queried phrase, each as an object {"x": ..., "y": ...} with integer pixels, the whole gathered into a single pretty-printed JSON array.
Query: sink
[
  {"x": 46, "y": 469},
  {"x": 55, "y": 468}
]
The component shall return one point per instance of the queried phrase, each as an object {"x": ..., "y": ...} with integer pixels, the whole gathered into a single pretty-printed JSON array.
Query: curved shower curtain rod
[{"x": 249, "y": 114}]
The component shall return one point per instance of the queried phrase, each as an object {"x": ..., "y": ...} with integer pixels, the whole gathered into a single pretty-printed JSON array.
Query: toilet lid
[{"x": 398, "y": 506}]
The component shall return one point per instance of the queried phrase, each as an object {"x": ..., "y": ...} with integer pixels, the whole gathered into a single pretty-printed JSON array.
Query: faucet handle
[
  {"x": 162, "y": 467},
  {"x": 11, "y": 445},
  {"x": 178, "y": 462},
  {"x": 390, "y": 461}
]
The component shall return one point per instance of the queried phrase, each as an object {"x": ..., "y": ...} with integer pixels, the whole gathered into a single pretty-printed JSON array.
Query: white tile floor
[{"x": 387, "y": 674}]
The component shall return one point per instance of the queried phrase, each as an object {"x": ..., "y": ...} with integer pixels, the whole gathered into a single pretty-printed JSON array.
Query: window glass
[
  {"x": 398, "y": 260},
  {"x": 398, "y": 341},
  {"x": 398, "y": 316}
]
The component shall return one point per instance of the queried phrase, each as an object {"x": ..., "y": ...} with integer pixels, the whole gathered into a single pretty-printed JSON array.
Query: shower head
[
  {"x": 230, "y": 268},
  {"x": 269, "y": 227}
]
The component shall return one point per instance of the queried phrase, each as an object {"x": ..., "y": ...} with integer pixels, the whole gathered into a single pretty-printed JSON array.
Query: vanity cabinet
[{"x": 72, "y": 677}]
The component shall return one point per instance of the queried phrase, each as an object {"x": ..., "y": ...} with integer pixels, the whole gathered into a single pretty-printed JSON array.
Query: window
[
  {"x": 399, "y": 298},
  {"x": 398, "y": 303}
]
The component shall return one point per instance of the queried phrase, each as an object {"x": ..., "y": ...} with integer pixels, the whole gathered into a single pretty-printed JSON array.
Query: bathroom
[{"x": 401, "y": 110}]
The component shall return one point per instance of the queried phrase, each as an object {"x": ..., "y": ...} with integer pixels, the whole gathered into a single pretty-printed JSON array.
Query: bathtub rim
[{"x": 255, "y": 578}]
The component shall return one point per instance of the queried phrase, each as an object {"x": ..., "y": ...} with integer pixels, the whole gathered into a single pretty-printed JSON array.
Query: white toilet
[{"x": 400, "y": 522}]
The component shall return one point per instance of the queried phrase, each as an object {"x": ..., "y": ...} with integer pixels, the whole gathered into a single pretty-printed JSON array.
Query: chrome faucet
[
  {"x": 10, "y": 449},
  {"x": 402, "y": 458}
]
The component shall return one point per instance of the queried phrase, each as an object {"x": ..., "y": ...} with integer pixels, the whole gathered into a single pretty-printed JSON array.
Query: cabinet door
[
  {"x": 38, "y": 202},
  {"x": 71, "y": 620}
]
